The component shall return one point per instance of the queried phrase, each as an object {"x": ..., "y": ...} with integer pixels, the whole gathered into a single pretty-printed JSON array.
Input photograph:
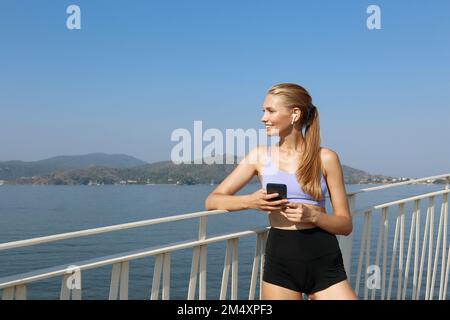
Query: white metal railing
[
  {"x": 15, "y": 287},
  {"x": 428, "y": 243}
]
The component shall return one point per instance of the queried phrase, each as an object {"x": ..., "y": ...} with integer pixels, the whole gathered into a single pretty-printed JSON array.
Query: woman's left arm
[{"x": 341, "y": 221}]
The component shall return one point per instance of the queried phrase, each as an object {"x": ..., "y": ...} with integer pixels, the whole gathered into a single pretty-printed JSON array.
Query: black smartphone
[{"x": 279, "y": 188}]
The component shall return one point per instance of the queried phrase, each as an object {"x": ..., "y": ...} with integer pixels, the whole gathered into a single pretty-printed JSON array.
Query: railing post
[
  {"x": 256, "y": 259},
  {"x": 124, "y": 279},
  {"x": 18, "y": 292},
  {"x": 412, "y": 232},
  {"x": 194, "y": 273},
  {"x": 263, "y": 250},
  {"x": 445, "y": 265},
  {"x": 119, "y": 281},
  {"x": 346, "y": 242},
  {"x": 385, "y": 242},
  {"x": 401, "y": 269},
  {"x": 437, "y": 249},
  {"x": 115, "y": 281},
  {"x": 8, "y": 293},
  {"x": 166, "y": 277},
  {"x": 202, "y": 282},
  {"x": 203, "y": 255},
  {"x": 231, "y": 258},
  {"x": 157, "y": 270},
  {"x": 234, "y": 270},
  {"x": 71, "y": 284},
  {"x": 21, "y": 292},
  {"x": 226, "y": 270},
  {"x": 202, "y": 228}
]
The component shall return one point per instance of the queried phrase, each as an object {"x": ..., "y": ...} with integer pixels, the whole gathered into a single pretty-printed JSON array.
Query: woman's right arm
[{"x": 223, "y": 198}]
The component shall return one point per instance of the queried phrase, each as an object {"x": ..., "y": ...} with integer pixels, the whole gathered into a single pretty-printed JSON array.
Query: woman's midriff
[{"x": 277, "y": 220}]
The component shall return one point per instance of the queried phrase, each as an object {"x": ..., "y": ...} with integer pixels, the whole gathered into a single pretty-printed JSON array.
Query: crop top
[{"x": 271, "y": 174}]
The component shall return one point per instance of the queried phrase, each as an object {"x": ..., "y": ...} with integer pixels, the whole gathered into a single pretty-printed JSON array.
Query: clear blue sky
[{"x": 137, "y": 70}]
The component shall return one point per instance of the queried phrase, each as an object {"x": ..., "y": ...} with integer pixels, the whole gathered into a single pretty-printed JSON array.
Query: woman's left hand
[{"x": 298, "y": 212}]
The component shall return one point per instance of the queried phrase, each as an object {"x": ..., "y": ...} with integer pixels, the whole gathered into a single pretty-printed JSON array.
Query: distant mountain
[
  {"x": 164, "y": 172},
  {"x": 15, "y": 169},
  {"x": 128, "y": 170}
]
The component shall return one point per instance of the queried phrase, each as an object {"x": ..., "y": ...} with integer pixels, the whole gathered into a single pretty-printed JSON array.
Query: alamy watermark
[
  {"x": 374, "y": 280},
  {"x": 374, "y": 20},
  {"x": 74, "y": 280},
  {"x": 74, "y": 20},
  {"x": 190, "y": 148}
]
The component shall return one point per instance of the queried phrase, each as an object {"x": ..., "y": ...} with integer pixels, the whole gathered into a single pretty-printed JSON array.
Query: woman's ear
[{"x": 296, "y": 113}]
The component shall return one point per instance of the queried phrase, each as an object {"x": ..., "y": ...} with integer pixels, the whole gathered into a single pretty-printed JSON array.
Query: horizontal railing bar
[
  {"x": 95, "y": 231},
  {"x": 361, "y": 211},
  {"x": 46, "y": 273},
  {"x": 422, "y": 196},
  {"x": 387, "y": 204},
  {"x": 397, "y": 184}
]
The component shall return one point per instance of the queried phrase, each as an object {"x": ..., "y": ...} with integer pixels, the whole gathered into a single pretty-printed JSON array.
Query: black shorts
[{"x": 306, "y": 261}]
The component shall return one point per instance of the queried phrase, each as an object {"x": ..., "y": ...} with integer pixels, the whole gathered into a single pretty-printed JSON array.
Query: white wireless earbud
[{"x": 293, "y": 119}]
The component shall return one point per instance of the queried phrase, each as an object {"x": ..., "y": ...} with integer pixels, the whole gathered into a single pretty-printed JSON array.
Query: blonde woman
[{"x": 302, "y": 252}]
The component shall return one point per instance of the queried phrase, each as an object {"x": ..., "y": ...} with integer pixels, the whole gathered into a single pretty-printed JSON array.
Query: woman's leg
[
  {"x": 339, "y": 291},
  {"x": 271, "y": 291}
]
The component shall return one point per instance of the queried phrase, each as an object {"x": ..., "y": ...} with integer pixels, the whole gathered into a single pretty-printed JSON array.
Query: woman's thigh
[
  {"x": 339, "y": 291},
  {"x": 271, "y": 291}
]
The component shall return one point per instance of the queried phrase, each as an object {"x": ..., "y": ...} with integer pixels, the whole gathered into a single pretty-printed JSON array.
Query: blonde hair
[{"x": 310, "y": 166}]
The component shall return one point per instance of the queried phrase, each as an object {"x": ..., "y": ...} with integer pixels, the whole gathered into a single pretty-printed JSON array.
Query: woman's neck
[{"x": 289, "y": 146}]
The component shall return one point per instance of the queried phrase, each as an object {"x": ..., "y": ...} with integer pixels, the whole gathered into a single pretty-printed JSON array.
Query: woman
[{"x": 302, "y": 253}]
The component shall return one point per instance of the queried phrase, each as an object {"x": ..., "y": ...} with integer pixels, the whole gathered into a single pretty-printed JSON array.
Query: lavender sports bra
[{"x": 271, "y": 174}]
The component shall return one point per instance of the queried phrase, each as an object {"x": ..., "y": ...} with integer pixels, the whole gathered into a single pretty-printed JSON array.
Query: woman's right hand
[{"x": 261, "y": 200}]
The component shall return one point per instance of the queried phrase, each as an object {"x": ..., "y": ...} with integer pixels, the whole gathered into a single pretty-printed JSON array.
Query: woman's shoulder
[
  {"x": 327, "y": 157},
  {"x": 326, "y": 153},
  {"x": 259, "y": 150},
  {"x": 258, "y": 156}
]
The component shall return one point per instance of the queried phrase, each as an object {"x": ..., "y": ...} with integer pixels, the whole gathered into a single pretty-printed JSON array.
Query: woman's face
[{"x": 277, "y": 117}]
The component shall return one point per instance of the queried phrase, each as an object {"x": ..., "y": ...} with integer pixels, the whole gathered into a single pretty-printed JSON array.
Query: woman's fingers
[
  {"x": 271, "y": 208},
  {"x": 291, "y": 211},
  {"x": 274, "y": 204},
  {"x": 292, "y": 217},
  {"x": 283, "y": 202},
  {"x": 295, "y": 205},
  {"x": 292, "y": 205},
  {"x": 270, "y": 196}
]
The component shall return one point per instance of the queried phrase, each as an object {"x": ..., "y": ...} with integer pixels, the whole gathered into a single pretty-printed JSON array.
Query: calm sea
[{"x": 33, "y": 211}]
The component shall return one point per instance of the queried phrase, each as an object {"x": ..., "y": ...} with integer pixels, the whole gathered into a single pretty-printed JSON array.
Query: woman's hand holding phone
[
  {"x": 299, "y": 212},
  {"x": 261, "y": 200}
]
